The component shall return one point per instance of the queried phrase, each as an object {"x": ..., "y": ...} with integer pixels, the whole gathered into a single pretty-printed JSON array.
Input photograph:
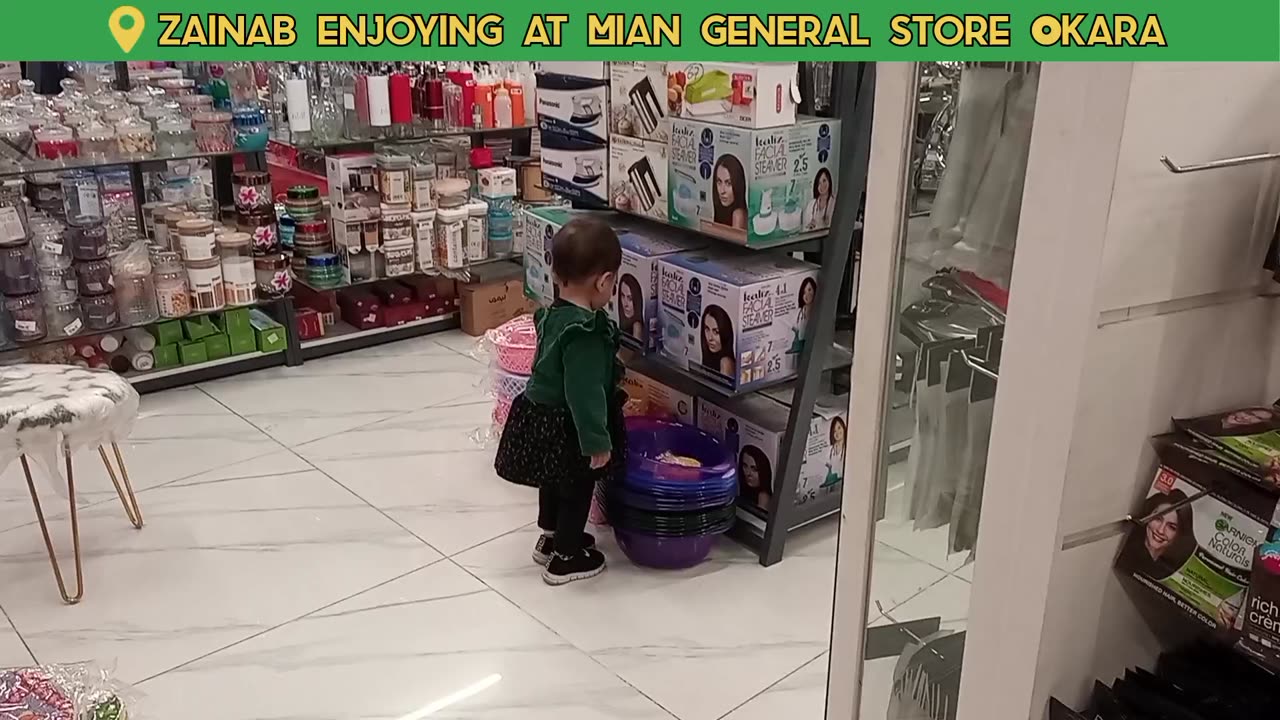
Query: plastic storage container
[
  {"x": 238, "y": 278},
  {"x": 18, "y": 274},
  {"x": 205, "y": 279},
  {"x": 252, "y": 131},
  {"x": 272, "y": 274},
  {"x": 252, "y": 191},
  {"x": 213, "y": 132},
  {"x": 27, "y": 313},
  {"x": 173, "y": 295},
  {"x": 174, "y": 136}
]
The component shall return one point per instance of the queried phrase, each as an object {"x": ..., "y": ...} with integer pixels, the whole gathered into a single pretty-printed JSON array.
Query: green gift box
[
  {"x": 242, "y": 341},
  {"x": 235, "y": 319},
  {"x": 193, "y": 353},
  {"x": 270, "y": 334},
  {"x": 166, "y": 355},
  {"x": 167, "y": 333},
  {"x": 217, "y": 346},
  {"x": 198, "y": 328}
]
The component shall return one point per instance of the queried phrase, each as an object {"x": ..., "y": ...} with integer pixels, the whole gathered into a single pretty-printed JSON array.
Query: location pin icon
[{"x": 126, "y": 36}]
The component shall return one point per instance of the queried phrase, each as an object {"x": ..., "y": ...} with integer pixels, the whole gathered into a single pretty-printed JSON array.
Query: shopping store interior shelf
[
  {"x": 157, "y": 380},
  {"x": 345, "y": 338},
  {"x": 418, "y": 137}
]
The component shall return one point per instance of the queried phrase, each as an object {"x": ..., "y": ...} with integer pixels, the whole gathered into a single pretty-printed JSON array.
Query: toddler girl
[{"x": 564, "y": 432}]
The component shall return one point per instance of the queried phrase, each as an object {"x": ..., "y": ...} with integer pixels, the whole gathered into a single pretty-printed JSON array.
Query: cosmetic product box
[
  {"x": 733, "y": 317},
  {"x": 637, "y": 283},
  {"x": 638, "y": 177},
  {"x": 741, "y": 94},
  {"x": 639, "y": 100},
  {"x": 540, "y": 225},
  {"x": 781, "y": 182},
  {"x": 647, "y": 397},
  {"x": 270, "y": 334},
  {"x": 353, "y": 185},
  {"x": 360, "y": 308},
  {"x": 310, "y": 324},
  {"x": 576, "y": 169},
  {"x": 572, "y": 107}
]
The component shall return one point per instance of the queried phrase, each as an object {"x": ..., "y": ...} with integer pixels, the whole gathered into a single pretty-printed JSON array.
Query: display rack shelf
[
  {"x": 416, "y": 139},
  {"x": 157, "y": 380},
  {"x": 81, "y": 163},
  {"x": 838, "y": 357},
  {"x": 463, "y": 273},
  {"x": 345, "y": 338}
]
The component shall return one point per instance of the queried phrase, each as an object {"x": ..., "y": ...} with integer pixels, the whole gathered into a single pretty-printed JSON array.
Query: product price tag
[
  {"x": 72, "y": 327},
  {"x": 26, "y": 326},
  {"x": 11, "y": 224},
  {"x": 90, "y": 205},
  {"x": 50, "y": 247}
]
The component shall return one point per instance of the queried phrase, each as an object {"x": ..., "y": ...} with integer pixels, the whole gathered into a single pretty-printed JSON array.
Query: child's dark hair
[{"x": 584, "y": 248}]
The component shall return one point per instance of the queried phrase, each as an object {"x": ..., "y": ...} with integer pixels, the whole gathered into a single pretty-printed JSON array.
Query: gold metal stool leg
[
  {"x": 125, "y": 492},
  {"x": 75, "y": 530}
]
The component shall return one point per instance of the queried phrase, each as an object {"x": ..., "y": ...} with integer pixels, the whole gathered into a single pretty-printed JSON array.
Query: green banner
[{"x": 760, "y": 30}]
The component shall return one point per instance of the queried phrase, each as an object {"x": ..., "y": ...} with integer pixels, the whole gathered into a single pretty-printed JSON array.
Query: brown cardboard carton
[{"x": 486, "y": 305}]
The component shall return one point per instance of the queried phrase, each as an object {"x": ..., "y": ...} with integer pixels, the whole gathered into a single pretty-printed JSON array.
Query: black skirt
[{"x": 539, "y": 445}]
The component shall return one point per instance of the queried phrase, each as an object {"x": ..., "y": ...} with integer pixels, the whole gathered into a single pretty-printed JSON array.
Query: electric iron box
[
  {"x": 573, "y": 107},
  {"x": 539, "y": 227},
  {"x": 753, "y": 427},
  {"x": 635, "y": 302},
  {"x": 732, "y": 317},
  {"x": 638, "y": 177},
  {"x": 593, "y": 69},
  {"x": 753, "y": 187},
  {"x": 746, "y": 95},
  {"x": 576, "y": 169},
  {"x": 641, "y": 100}
]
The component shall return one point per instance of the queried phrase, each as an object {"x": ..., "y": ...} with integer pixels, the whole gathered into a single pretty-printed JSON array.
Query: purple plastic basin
[
  {"x": 648, "y": 438},
  {"x": 664, "y": 553}
]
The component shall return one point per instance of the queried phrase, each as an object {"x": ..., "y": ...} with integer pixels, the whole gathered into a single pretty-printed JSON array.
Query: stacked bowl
[
  {"x": 514, "y": 344},
  {"x": 665, "y": 510}
]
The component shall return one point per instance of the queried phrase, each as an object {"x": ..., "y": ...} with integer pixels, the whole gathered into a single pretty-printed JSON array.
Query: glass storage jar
[
  {"x": 62, "y": 313},
  {"x": 174, "y": 136},
  {"x": 55, "y": 277},
  {"x": 27, "y": 312},
  {"x": 312, "y": 238},
  {"x": 93, "y": 277},
  {"x": 324, "y": 271},
  {"x": 252, "y": 131},
  {"x": 18, "y": 275},
  {"x": 272, "y": 272},
  {"x": 251, "y": 190},
  {"x": 238, "y": 278},
  {"x": 99, "y": 311},
  {"x": 135, "y": 138},
  {"x": 136, "y": 299},
  {"x": 50, "y": 245},
  {"x": 87, "y": 238},
  {"x": 213, "y": 132},
  {"x": 192, "y": 104},
  {"x": 176, "y": 87},
  {"x": 205, "y": 280},
  {"x": 172, "y": 293},
  {"x": 97, "y": 140},
  {"x": 17, "y": 145},
  {"x": 261, "y": 226},
  {"x": 303, "y": 203},
  {"x": 196, "y": 238},
  {"x": 55, "y": 142}
]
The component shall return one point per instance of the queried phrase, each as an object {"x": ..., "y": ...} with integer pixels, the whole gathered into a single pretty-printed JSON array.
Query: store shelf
[
  {"x": 156, "y": 380},
  {"x": 416, "y": 139},
  {"x": 462, "y": 273},
  {"x": 838, "y": 357},
  {"x": 89, "y": 163},
  {"x": 344, "y": 338}
]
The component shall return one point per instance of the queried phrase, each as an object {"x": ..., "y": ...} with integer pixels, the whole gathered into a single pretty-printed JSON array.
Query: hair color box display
[
  {"x": 733, "y": 317},
  {"x": 539, "y": 226},
  {"x": 576, "y": 169},
  {"x": 635, "y": 302},
  {"x": 753, "y": 427},
  {"x": 573, "y": 107},
  {"x": 753, "y": 186},
  {"x": 1197, "y": 554},
  {"x": 650, "y": 398},
  {"x": 638, "y": 177},
  {"x": 640, "y": 98},
  {"x": 746, "y": 95}
]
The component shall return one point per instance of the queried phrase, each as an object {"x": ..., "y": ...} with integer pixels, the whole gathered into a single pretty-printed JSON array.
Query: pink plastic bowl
[{"x": 515, "y": 342}]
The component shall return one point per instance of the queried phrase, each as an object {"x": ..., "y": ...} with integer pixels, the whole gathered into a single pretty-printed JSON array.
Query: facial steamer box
[
  {"x": 635, "y": 302},
  {"x": 733, "y": 317},
  {"x": 540, "y": 226},
  {"x": 638, "y": 177},
  {"x": 753, "y": 427},
  {"x": 753, "y": 187},
  {"x": 648, "y": 397},
  {"x": 641, "y": 98},
  {"x": 741, "y": 94}
]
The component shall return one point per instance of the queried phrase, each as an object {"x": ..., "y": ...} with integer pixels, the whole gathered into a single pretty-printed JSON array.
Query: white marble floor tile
[
  {"x": 178, "y": 434},
  {"x": 12, "y": 652},
  {"x": 947, "y": 599},
  {"x": 699, "y": 642},
  {"x": 216, "y": 563},
  {"x": 460, "y": 342},
  {"x": 930, "y": 545},
  {"x": 424, "y": 470},
  {"x": 435, "y": 640},
  {"x": 802, "y": 695},
  {"x": 330, "y": 395},
  {"x": 877, "y": 688},
  {"x": 965, "y": 573}
]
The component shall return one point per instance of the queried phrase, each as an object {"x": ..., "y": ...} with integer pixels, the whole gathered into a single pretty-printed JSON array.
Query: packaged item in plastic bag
[{"x": 77, "y": 691}]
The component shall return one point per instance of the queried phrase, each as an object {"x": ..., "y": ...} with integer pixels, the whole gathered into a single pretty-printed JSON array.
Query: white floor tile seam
[
  {"x": 555, "y": 632},
  {"x": 18, "y": 633},
  {"x": 887, "y": 613},
  {"x": 277, "y": 626},
  {"x": 773, "y": 685}
]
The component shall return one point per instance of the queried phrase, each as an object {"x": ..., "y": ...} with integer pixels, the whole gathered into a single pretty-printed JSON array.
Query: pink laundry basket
[{"x": 515, "y": 343}]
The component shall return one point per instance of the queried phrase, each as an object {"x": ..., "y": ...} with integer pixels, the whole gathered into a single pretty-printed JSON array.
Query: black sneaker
[
  {"x": 546, "y": 545},
  {"x": 563, "y": 570}
]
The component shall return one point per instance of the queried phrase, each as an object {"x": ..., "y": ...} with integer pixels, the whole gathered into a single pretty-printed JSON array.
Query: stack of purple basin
[{"x": 666, "y": 515}]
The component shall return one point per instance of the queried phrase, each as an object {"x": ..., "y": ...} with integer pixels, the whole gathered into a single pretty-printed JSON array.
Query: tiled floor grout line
[
  {"x": 553, "y": 631},
  {"x": 772, "y": 685},
  {"x": 19, "y": 634},
  {"x": 277, "y": 626}
]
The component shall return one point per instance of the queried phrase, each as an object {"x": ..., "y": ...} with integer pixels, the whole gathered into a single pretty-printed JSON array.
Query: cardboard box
[
  {"x": 573, "y": 107},
  {"x": 540, "y": 226},
  {"x": 217, "y": 346},
  {"x": 199, "y": 327},
  {"x": 753, "y": 427},
  {"x": 193, "y": 352},
  {"x": 576, "y": 169},
  {"x": 635, "y": 303},
  {"x": 243, "y": 340},
  {"x": 353, "y": 185},
  {"x": 167, "y": 333},
  {"x": 594, "y": 69},
  {"x": 648, "y": 397},
  {"x": 235, "y": 319},
  {"x": 393, "y": 315},
  {"x": 638, "y": 173},
  {"x": 734, "y": 317},
  {"x": 166, "y": 356},
  {"x": 486, "y": 305},
  {"x": 753, "y": 186},
  {"x": 360, "y": 308},
  {"x": 270, "y": 334},
  {"x": 310, "y": 324},
  {"x": 741, "y": 94},
  {"x": 639, "y": 105}
]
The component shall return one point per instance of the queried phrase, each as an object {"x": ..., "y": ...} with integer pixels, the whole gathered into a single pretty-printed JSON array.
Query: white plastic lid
[
  {"x": 477, "y": 207},
  {"x": 451, "y": 214}
]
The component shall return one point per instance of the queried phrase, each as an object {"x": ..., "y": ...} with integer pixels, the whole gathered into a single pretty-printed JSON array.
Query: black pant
[{"x": 563, "y": 508}]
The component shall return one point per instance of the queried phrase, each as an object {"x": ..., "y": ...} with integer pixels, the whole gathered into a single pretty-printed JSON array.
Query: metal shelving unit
[{"x": 344, "y": 338}]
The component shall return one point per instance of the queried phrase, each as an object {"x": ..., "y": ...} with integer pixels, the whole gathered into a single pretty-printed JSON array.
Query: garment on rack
[
  {"x": 972, "y": 141},
  {"x": 935, "y": 490},
  {"x": 963, "y": 531},
  {"x": 928, "y": 414},
  {"x": 990, "y": 228}
]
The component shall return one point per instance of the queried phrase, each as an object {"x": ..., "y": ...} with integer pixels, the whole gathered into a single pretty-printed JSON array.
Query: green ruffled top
[{"x": 576, "y": 366}]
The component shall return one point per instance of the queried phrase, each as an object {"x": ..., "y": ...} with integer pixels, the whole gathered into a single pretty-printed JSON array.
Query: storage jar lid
[
  {"x": 451, "y": 214},
  {"x": 274, "y": 261},
  {"x": 256, "y": 218},
  {"x": 477, "y": 207},
  {"x": 195, "y": 226},
  {"x": 303, "y": 192},
  {"x": 313, "y": 227},
  {"x": 249, "y": 118},
  {"x": 234, "y": 240},
  {"x": 322, "y": 260},
  {"x": 251, "y": 177}
]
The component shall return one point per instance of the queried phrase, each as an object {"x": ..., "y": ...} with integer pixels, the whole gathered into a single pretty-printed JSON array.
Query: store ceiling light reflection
[{"x": 453, "y": 698}]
